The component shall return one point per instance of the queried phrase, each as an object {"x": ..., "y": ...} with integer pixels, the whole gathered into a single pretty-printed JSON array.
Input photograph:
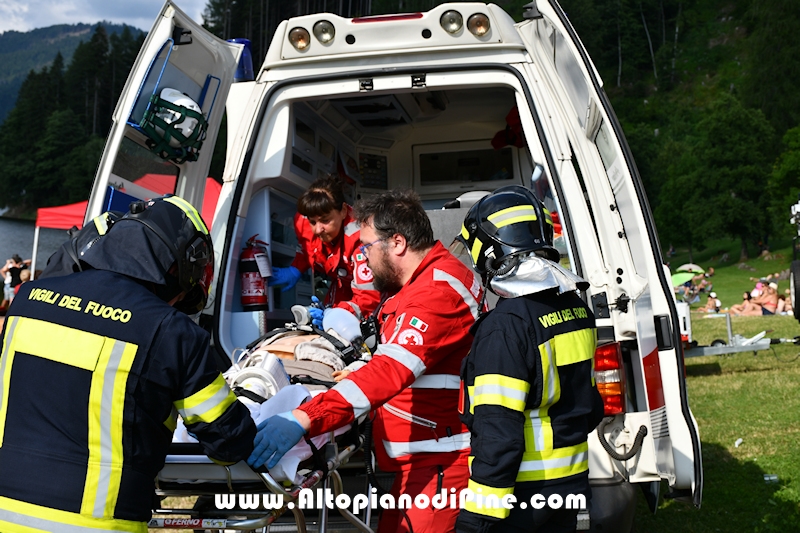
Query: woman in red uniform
[{"x": 328, "y": 240}]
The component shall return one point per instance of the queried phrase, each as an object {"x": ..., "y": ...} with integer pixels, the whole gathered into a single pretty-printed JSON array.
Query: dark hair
[
  {"x": 16, "y": 258},
  {"x": 324, "y": 195},
  {"x": 397, "y": 211}
]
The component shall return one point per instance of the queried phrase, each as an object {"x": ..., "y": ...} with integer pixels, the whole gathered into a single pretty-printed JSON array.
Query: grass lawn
[
  {"x": 732, "y": 277},
  {"x": 750, "y": 397}
]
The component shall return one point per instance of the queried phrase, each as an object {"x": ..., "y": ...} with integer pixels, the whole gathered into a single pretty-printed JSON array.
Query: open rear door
[
  {"x": 167, "y": 118},
  {"x": 642, "y": 307}
]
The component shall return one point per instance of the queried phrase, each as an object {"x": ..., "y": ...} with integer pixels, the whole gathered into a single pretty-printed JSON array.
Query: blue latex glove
[
  {"x": 288, "y": 276},
  {"x": 276, "y": 436},
  {"x": 315, "y": 311}
]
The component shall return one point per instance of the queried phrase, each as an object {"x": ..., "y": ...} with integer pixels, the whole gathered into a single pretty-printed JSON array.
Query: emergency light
[
  {"x": 451, "y": 21},
  {"x": 478, "y": 24},
  {"x": 299, "y": 38}
]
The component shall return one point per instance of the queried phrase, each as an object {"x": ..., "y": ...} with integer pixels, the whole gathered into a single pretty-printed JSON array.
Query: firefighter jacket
[
  {"x": 413, "y": 374},
  {"x": 93, "y": 372},
  {"x": 341, "y": 261},
  {"x": 531, "y": 399}
]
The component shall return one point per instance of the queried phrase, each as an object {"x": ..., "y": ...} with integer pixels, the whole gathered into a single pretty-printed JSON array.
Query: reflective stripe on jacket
[
  {"x": 531, "y": 398},
  {"x": 341, "y": 261},
  {"x": 93, "y": 372},
  {"x": 424, "y": 337}
]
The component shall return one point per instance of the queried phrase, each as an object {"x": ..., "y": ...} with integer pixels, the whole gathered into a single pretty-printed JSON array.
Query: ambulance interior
[{"x": 437, "y": 142}]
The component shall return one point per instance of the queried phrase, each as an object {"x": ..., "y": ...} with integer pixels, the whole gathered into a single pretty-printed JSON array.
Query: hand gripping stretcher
[{"x": 237, "y": 497}]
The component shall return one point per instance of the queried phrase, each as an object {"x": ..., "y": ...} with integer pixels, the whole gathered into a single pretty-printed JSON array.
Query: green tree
[
  {"x": 680, "y": 215},
  {"x": 19, "y": 133},
  {"x": 784, "y": 183},
  {"x": 87, "y": 79},
  {"x": 735, "y": 150},
  {"x": 52, "y": 157},
  {"x": 772, "y": 65}
]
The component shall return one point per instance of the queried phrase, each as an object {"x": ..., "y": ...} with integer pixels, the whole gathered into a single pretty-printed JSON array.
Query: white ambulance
[{"x": 450, "y": 101}]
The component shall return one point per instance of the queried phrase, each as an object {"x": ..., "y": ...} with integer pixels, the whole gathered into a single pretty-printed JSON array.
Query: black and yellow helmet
[
  {"x": 153, "y": 236},
  {"x": 504, "y": 224}
]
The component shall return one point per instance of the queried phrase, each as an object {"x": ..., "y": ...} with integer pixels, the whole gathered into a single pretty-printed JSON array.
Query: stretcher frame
[{"x": 258, "y": 518}]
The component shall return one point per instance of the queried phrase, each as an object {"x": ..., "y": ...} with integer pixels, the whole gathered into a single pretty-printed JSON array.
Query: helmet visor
[{"x": 459, "y": 249}]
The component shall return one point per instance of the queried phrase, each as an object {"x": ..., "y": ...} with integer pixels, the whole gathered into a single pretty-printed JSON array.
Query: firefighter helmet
[
  {"x": 505, "y": 224},
  {"x": 178, "y": 224}
]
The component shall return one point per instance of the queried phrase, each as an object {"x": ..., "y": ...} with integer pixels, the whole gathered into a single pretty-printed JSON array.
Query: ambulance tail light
[{"x": 609, "y": 376}]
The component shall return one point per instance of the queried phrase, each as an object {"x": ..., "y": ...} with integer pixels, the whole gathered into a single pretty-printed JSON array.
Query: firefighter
[
  {"x": 412, "y": 381},
  {"x": 530, "y": 398},
  {"x": 96, "y": 366},
  {"x": 328, "y": 240}
]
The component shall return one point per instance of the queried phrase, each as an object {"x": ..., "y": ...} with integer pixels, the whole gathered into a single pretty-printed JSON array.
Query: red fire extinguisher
[{"x": 253, "y": 268}]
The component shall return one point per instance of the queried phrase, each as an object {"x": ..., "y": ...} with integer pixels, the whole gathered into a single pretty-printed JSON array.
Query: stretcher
[
  {"x": 187, "y": 473},
  {"x": 257, "y": 499}
]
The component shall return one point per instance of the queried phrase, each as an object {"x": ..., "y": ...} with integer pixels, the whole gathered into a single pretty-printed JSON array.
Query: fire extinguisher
[{"x": 253, "y": 268}]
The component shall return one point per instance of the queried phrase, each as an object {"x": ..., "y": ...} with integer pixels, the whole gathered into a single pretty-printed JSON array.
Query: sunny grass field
[{"x": 750, "y": 396}]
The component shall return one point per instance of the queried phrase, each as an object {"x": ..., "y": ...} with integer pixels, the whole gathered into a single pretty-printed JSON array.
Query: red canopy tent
[{"x": 66, "y": 216}]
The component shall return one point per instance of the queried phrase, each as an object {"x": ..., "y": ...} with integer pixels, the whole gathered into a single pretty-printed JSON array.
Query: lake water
[{"x": 16, "y": 237}]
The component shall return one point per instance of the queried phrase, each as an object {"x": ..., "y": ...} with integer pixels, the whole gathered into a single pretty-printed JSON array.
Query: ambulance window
[
  {"x": 540, "y": 185},
  {"x": 609, "y": 155},
  {"x": 567, "y": 66},
  {"x": 141, "y": 167},
  {"x": 465, "y": 166},
  {"x": 578, "y": 172}
]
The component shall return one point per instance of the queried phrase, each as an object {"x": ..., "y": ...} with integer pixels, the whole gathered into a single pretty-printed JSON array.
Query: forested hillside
[
  {"x": 705, "y": 90},
  {"x": 22, "y": 52}
]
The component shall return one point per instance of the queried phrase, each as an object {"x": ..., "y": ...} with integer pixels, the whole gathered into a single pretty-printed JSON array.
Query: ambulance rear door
[
  {"x": 631, "y": 295},
  {"x": 143, "y": 156}
]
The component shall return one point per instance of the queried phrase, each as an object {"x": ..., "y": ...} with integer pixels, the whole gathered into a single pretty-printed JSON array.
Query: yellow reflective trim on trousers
[
  {"x": 464, "y": 232},
  {"x": 207, "y": 404},
  {"x": 493, "y": 506},
  {"x": 476, "y": 250},
  {"x": 496, "y": 389},
  {"x": 574, "y": 347},
  {"x": 106, "y": 405},
  {"x": 23, "y": 517},
  {"x": 190, "y": 211},
  {"x": 554, "y": 464},
  {"x": 513, "y": 215}
]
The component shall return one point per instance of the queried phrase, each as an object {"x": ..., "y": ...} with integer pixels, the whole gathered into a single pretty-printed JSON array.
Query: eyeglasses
[{"x": 363, "y": 247}]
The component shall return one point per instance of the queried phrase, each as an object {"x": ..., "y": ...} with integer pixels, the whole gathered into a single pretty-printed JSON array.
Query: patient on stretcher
[{"x": 280, "y": 374}]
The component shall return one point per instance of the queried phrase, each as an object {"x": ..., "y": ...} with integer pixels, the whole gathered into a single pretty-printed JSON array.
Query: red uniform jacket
[
  {"x": 413, "y": 378},
  {"x": 341, "y": 261}
]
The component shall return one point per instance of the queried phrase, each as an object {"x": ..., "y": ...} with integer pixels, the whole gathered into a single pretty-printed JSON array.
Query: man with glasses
[{"x": 412, "y": 382}]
